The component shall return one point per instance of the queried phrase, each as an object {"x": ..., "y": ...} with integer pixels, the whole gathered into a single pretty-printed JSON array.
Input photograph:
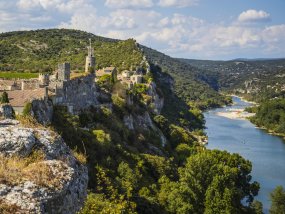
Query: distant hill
[
  {"x": 42, "y": 50},
  {"x": 255, "y": 79}
]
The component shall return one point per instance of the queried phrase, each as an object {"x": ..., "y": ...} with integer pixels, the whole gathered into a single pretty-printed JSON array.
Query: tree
[
  {"x": 4, "y": 97},
  {"x": 278, "y": 201},
  {"x": 257, "y": 207},
  {"x": 210, "y": 182}
]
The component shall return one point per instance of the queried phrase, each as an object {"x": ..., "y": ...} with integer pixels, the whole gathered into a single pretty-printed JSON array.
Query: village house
[{"x": 106, "y": 71}]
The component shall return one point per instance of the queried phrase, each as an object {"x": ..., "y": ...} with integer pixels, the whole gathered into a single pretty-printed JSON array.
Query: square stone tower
[
  {"x": 63, "y": 72},
  {"x": 90, "y": 59}
]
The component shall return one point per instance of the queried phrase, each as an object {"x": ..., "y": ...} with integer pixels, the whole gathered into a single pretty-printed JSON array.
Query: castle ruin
[{"x": 74, "y": 93}]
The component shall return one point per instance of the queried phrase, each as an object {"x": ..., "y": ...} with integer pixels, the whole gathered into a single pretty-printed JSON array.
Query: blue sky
[{"x": 202, "y": 29}]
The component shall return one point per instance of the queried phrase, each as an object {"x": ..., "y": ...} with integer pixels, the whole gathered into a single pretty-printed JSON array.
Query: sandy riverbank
[{"x": 235, "y": 114}]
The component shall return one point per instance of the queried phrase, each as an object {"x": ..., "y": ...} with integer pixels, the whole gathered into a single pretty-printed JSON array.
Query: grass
[
  {"x": 28, "y": 121},
  {"x": 6, "y": 208},
  {"x": 15, "y": 170},
  {"x": 82, "y": 158},
  {"x": 17, "y": 75},
  {"x": 78, "y": 75}
]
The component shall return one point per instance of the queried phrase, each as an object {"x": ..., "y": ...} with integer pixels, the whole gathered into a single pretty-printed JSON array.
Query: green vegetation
[
  {"x": 42, "y": 50},
  {"x": 134, "y": 170},
  {"x": 4, "y": 98},
  {"x": 15, "y": 75},
  {"x": 127, "y": 175},
  {"x": 256, "y": 80},
  {"x": 27, "y": 109},
  {"x": 271, "y": 115},
  {"x": 188, "y": 82},
  {"x": 278, "y": 201}
]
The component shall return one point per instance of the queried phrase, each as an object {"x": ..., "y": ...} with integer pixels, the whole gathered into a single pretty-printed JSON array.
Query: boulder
[{"x": 65, "y": 188}]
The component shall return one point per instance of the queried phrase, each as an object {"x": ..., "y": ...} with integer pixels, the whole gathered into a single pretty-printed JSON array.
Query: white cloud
[
  {"x": 177, "y": 3},
  {"x": 31, "y": 4},
  {"x": 129, "y": 3},
  {"x": 177, "y": 34},
  {"x": 254, "y": 16}
]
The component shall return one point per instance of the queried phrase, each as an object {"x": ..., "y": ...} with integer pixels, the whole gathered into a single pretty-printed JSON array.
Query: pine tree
[
  {"x": 278, "y": 201},
  {"x": 4, "y": 97}
]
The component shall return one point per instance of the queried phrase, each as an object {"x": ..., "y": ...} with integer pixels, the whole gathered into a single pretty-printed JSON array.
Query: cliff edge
[{"x": 38, "y": 172}]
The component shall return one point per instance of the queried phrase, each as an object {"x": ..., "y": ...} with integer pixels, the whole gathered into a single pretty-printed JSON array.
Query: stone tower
[
  {"x": 63, "y": 72},
  {"x": 44, "y": 79},
  {"x": 90, "y": 59}
]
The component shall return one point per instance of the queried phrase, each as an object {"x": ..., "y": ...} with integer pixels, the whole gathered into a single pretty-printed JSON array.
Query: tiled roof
[{"x": 19, "y": 98}]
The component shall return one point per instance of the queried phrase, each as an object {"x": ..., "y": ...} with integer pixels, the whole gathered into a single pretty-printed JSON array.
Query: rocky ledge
[{"x": 38, "y": 172}]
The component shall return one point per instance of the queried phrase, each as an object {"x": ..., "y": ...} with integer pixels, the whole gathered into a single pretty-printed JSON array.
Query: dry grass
[
  {"x": 6, "y": 208},
  {"x": 28, "y": 121},
  {"x": 82, "y": 158},
  {"x": 15, "y": 170},
  {"x": 77, "y": 75}
]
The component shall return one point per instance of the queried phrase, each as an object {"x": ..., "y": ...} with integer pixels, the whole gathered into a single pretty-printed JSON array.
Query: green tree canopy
[{"x": 278, "y": 201}]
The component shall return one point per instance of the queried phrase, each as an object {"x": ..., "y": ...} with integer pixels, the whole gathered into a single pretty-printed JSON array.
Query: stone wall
[
  {"x": 6, "y": 111},
  {"x": 77, "y": 94}
]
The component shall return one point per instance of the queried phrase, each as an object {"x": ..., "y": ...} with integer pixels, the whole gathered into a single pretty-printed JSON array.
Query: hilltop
[{"x": 42, "y": 50}]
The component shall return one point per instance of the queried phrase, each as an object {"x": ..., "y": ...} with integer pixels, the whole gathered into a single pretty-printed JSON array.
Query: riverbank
[
  {"x": 235, "y": 114},
  {"x": 264, "y": 150},
  {"x": 269, "y": 131}
]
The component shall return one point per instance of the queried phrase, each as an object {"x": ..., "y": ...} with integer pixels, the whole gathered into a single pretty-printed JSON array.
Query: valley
[{"x": 137, "y": 120}]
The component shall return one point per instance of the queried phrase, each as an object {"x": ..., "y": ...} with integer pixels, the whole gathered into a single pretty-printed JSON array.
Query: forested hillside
[
  {"x": 190, "y": 83},
  {"x": 42, "y": 50},
  {"x": 257, "y": 80},
  {"x": 271, "y": 115}
]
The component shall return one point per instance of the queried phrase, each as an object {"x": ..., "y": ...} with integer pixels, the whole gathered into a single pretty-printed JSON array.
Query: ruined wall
[{"x": 77, "y": 94}]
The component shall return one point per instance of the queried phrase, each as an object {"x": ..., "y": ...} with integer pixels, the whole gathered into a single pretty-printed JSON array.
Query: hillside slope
[
  {"x": 42, "y": 50},
  {"x": 140, "y": 161},
  {"x": 257, "y": 80},
  {"x": 190, "y": 83}
]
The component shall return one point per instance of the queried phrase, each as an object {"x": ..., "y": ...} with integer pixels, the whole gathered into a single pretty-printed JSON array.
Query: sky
[{"x": 199, "y": 29}]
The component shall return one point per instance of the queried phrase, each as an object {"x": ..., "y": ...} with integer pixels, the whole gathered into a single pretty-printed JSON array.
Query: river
[{"x": 265, "y": 151}]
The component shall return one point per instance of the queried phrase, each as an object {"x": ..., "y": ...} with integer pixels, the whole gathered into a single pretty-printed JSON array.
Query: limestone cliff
[{"x": 38, "y": 172}]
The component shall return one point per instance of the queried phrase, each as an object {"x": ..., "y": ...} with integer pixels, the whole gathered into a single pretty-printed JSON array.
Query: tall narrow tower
[{"x": 90, "y": 59}]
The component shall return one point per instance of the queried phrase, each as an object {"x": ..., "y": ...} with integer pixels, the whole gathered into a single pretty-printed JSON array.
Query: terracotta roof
[
  {"x": 100, "y": 73},
  {"x": 6, "y": 83},
  {"x": 19, "y": 98},
  {"x": 109, "y": 68}
]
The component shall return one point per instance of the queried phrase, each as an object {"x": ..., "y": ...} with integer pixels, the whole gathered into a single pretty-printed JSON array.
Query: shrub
[
  {"x": 4, "y": 97},
  {"x": 27, "y": 109}
]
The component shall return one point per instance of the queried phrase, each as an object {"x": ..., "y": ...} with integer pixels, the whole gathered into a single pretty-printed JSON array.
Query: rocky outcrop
[
  {"x": 55, "y": 183},
  {"x": 157, "y": 100},
  {"x": 6, "y": 111},
  {"x": 42, "y": 111},
  {"x": 143, "y": 121}
]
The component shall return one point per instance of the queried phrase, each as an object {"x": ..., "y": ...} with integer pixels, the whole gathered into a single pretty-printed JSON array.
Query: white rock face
[{"x": 72, "y": 177}]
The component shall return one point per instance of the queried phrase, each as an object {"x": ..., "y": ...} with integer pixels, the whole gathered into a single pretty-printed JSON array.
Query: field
[{"x": 15, "y": 75}]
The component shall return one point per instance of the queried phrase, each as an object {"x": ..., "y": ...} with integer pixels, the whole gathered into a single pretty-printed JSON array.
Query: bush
[
  {"x": 4, "y": 98},
  {"x": 27, "y": 109}
]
